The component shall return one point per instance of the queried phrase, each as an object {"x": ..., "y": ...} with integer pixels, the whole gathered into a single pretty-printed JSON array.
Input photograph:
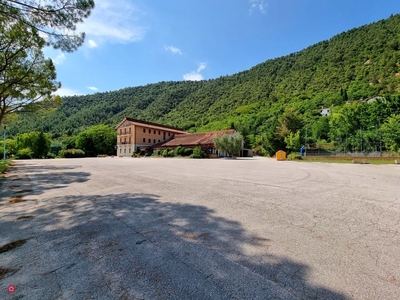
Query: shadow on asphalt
[
  {"x": 82, "y": 231},
  {"x": 41, "y": 168},
  {"x": 45, "y": 177}
]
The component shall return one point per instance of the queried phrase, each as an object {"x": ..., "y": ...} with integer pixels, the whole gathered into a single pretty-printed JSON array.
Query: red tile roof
[
  {"x": 195, "y": 139},
  {"x": 148, "y": 123}
]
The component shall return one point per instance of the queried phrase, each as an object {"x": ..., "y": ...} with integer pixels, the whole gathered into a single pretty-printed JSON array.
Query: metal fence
[{"x": 353, "y": 154}]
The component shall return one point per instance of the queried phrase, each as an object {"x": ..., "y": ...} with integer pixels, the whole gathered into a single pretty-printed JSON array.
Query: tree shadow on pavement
[
  {"x": 45, "y": 177},
  {"x": 137, "y": 246}
]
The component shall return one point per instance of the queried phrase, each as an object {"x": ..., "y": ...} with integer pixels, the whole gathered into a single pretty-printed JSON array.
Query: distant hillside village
[{"x": 146, "y": 137}]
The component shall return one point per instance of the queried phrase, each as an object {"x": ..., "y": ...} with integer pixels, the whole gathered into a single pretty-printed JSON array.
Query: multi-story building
[{"x": 133, "y": 135}]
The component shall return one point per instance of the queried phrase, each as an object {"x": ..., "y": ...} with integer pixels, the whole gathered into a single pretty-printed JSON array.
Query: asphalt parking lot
[{"x": 159, "y": 228}]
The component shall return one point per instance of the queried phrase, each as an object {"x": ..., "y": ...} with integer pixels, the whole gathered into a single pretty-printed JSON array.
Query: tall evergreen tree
[{"x": 56, "y": 19}]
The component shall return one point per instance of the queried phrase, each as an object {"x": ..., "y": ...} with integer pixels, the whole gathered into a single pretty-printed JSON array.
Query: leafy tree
[
  {"x": 289, "y": 122},
  {"x": 229, "y": 143},
  {"x": 42, "y": 145},
  {"x": 11, "y": 148},
  {"x": 55, "y": 19},
  {"x": 37, "y": 142},
  {"x": 320, "y": 129},
  {"x": 293, "y": 141},
  {"x": 391, "y": 133},
  {"x": 99, "y": 139},
  {"x": 69, "y": 143},
  {"x": 27, "y": 79}
]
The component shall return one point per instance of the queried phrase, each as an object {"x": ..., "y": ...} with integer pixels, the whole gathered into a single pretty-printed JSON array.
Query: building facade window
[
  {"x": 124, "y": 150},
  {"x": 169, "y": 133},
  {"x": 144, "y": 130},
  {"x": 125, "y": 131},
  {"x": 154, "y": 132},
  {"x": 120, "y": 131},
  {"x": 149, "y": 140},
  {"x": 129, "y": 140},
  {"x": 129, "y": 150},
  {"x": 154, "y": 141},
  {"x": 159, "y": 141},
  {"x": 144, "y": 140},
  {"x": 129, "y": 130},
  {"x": 159, "y": 132}
]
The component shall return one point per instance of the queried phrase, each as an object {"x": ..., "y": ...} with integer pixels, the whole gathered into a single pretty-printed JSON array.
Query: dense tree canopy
[
  {"x": 55, "y": 19},
  {"x": 34, "y": 144},
  {"x": 27, "y": 79},
  {"x": 99, "y": 139},
  {"x": 229, "y": 143}
]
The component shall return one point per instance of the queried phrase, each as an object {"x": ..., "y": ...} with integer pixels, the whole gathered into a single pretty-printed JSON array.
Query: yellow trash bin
[{"x": 280, "y": 155}]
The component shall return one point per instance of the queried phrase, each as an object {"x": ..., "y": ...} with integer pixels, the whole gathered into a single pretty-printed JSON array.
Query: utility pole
[
  {"x": 4, "y": 150},
  {"x": 305, "y": 148},
  {"x": 380, "y": 139}
]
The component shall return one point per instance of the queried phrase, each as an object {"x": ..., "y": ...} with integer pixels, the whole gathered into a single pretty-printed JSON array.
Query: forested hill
[{"x": 359, "y": 63}]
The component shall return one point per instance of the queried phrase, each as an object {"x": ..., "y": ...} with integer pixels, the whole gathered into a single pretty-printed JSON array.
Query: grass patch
[
  {"x": 4, "y": 165},
  {"x": 349, "y": 159}
]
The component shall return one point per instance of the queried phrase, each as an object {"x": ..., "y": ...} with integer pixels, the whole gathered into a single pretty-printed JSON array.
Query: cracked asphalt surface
[{"x": 153, "y": 228}]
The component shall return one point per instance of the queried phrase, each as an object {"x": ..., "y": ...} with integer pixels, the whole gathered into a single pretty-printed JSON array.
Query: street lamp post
[
  {"x": 305, "y": 148},
  {"x": 380, "y": 139},
  {"x": 4, "y": 150}
]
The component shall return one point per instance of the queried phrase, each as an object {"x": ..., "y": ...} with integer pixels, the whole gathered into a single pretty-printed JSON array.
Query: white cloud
[
  {"x": 173, "y": 50},
  {"x": 92, "y": 44},
  {"x": 92, "y": 88},
  {"x": 260, "y": 5},
  {"x": 201, "y": 67},
  {"x": 195, "y": 75},
  {"x": 67, "y": 92},
  {"x": 59, "y": 59},
  {"x": 113, "y": 21}
]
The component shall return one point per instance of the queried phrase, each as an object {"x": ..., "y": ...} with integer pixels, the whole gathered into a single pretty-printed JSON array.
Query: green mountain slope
[{"x": 360, "y": 63}]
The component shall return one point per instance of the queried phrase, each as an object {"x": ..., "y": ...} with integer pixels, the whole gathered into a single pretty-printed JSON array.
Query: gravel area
[{"x": 167, "y": 228}]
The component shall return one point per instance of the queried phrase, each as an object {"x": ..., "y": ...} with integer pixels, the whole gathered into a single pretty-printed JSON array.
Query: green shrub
[
  {"x": 187, "y": 152},
  {"x": 182, "y": 151},
  {"x": 197, "y": 153},
  {"x": 25, "y": 153},
  {"x": 167, "y": 153},
  {"x": 4, "y": 165},
  {"x": 294, "y": 156},
  {"x": 72, "y": 153},
  {"x": 179, "y": 151},
  {"x": 51, "y": 155}
]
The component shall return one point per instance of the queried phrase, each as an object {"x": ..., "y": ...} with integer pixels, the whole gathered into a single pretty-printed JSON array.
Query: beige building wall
[{"x": 131, "y": 136}]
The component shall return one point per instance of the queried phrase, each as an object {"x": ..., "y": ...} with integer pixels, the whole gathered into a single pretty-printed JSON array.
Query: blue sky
[{"x": 131, "y": 43}]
